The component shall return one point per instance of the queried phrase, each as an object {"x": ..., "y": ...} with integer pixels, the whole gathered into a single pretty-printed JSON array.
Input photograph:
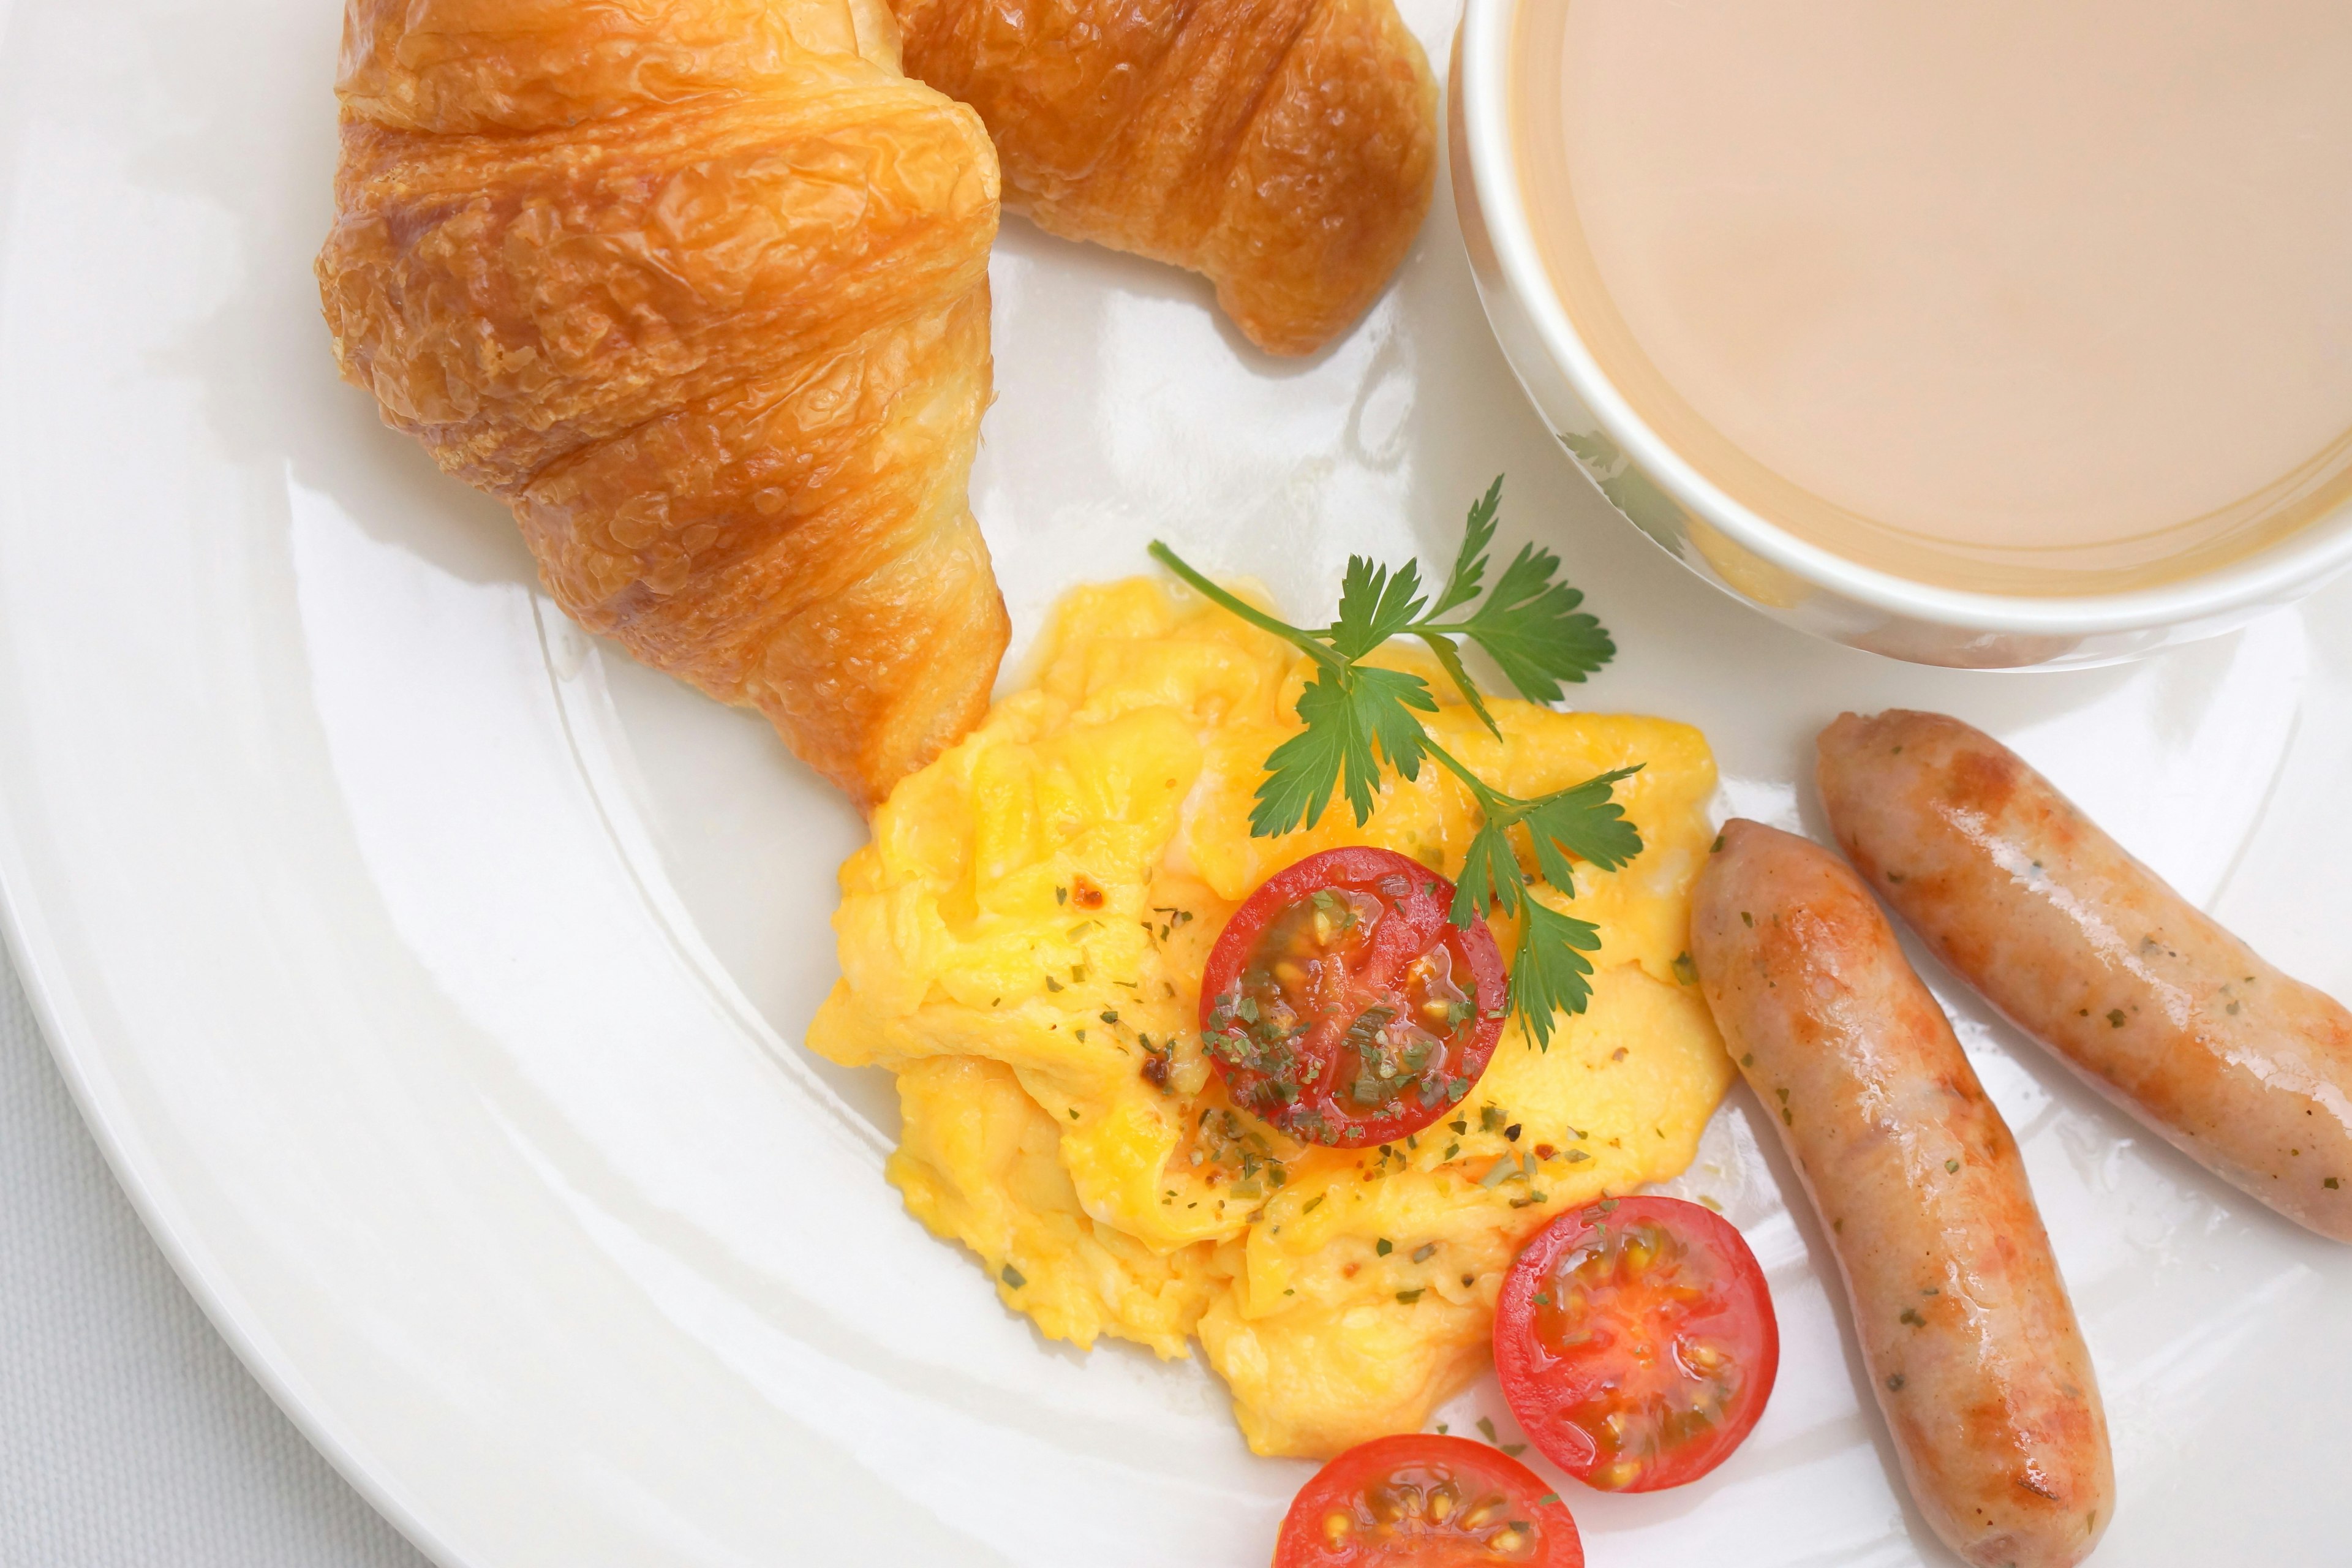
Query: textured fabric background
[{"x": 129, "y": 1433}]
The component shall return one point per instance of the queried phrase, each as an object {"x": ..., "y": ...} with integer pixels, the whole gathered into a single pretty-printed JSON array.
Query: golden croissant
[
  {"x": 1286, "y": 148},
  {"x": 698, "y": 288}
]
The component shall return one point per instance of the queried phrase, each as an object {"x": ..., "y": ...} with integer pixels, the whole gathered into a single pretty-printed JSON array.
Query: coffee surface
[{"x": 2033, "y": 297}]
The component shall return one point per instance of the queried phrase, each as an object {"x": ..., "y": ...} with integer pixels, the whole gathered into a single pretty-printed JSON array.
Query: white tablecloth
[{"x": 129, "y": 1433}]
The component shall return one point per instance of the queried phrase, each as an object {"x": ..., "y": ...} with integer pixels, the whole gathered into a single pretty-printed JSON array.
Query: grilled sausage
[
  {"x": 2243, "y": 1069},
  {"x": 1972, "y": 1346}
]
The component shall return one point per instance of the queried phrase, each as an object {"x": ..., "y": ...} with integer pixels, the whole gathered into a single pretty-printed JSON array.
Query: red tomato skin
[
  {"x": 1525, "y": 1367},
  {"x": 1301, "y": 1543},
  {"x": 1427, "y": 904}
]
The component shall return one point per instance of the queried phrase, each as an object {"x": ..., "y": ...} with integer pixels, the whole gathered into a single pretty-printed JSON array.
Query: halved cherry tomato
[
  {"x": 1425, "y": 1501},
  {"x": 1342, "y": 1006},
  {"x": 1635, "y": 1342}
]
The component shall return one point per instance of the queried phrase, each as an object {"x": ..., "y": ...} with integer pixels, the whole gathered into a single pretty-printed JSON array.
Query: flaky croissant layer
[
  {"x": 699, "y": 288},
  {"x": 1288, "y": 149}
]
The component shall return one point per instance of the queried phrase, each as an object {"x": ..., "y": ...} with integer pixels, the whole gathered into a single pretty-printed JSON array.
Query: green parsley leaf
[
  {"x": 1550, "y": 974},
  {"x": 1528, "y": 623},
  {"x": 1349, "y": 716},
  {"x": 1490, "y": 877},
  {"x": 1529, "y": 627},
  {"x": 1470, "y": 562},
  {"x": 1301, "y": 774},
  {"x": 1386, "y": 701},
  {"x": 1374, "y": 606},
  {"x": 1582, "y": 820}
]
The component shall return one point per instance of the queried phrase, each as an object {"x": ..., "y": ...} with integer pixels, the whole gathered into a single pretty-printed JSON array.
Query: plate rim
[{"x": 40, "y": 971}]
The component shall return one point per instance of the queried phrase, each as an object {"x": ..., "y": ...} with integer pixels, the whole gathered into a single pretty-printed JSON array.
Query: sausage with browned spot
[
  {"x": 2241, "y": 1067},
  {"x": 1973, "y": 1350}
]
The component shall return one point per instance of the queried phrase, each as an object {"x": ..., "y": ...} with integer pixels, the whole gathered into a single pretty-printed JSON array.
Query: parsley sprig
[{"x": 1358, "y": 717}]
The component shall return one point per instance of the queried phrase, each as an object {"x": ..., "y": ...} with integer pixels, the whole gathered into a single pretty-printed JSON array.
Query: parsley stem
[
  {"x": 1254, "y": 617},
  {"x": 1495, "y": 808}
]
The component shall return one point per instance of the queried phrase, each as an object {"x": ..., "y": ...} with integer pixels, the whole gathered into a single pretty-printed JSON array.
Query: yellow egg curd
[{"x": 1022, "y": 945}]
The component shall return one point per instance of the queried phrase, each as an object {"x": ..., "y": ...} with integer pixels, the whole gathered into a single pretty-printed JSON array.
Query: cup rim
[{"x": 2275, "y": 574}]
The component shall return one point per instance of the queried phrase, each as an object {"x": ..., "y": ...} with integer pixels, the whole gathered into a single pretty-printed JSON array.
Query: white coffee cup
[{"x": 1730, "y": 544}]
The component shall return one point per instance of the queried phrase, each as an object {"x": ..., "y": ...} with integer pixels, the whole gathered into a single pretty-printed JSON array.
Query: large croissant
[
  {"x": 699, "y": 288},
  {"x": 1286, "y": 148}
]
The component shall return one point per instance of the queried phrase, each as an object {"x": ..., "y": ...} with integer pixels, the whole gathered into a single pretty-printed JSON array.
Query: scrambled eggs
[{"x": 1023, "y": 942}]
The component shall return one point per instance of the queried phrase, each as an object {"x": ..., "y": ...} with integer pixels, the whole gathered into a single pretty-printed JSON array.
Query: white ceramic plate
[{"x": 434, "y": 976}]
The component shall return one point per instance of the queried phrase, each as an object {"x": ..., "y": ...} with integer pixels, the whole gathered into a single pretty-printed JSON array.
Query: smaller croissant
[
  {"x": 1286, "y": 148},
  {"x": 698, "y": 288}
]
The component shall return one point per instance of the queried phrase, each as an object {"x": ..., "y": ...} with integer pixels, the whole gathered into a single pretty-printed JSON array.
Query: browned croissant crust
[
  {"x": 1286, "y": 148},
  {"x": 699, "y": 288}
]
